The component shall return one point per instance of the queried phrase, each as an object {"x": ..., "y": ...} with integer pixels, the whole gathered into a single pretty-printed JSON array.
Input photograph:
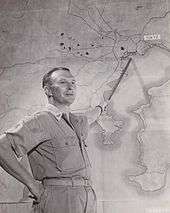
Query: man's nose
[{"x": 71, "y": 85}]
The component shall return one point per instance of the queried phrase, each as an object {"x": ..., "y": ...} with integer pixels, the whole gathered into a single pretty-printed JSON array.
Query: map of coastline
[{"x": 96, "y": 41}]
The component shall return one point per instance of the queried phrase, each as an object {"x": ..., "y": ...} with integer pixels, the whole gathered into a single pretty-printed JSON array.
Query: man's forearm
[{"x": 11, "y": 165}]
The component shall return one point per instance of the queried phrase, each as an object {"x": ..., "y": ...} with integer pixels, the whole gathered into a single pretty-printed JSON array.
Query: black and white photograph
[{"x": 84, "y": 106}]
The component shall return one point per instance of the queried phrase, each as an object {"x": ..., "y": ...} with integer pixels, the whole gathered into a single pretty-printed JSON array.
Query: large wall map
[{"x": 95, "y": 39}]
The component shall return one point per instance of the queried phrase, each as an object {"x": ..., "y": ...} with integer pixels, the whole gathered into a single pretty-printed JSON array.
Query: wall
[{"x": 31, "y": 43}]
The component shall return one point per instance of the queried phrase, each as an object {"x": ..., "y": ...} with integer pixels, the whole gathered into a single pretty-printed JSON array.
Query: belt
[{"x": 66, "y": 182}]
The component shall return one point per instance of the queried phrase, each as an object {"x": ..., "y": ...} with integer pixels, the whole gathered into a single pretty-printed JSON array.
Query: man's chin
[{"x": 69, "y": 101}]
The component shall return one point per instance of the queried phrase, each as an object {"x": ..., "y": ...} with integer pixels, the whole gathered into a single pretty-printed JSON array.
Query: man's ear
[{"x": 47, "y": 91}]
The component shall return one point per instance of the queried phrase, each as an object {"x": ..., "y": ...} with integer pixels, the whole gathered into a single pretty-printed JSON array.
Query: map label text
[{"x": 152, "y": 37}]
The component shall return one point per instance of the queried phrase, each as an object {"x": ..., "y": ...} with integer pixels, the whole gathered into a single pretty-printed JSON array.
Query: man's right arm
[
  {"x": 17, "y": 142},
  {"x": 11, "y": 165}
]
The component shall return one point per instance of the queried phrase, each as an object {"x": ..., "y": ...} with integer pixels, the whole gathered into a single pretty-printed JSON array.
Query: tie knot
[{"x": 65, "y": 116}]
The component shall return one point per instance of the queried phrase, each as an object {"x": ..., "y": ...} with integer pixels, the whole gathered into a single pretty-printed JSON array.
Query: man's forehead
[{"x": 61, "y": 74}]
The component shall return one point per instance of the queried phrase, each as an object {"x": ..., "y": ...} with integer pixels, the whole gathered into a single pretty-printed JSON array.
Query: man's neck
[{"x": 61, "y": 107}]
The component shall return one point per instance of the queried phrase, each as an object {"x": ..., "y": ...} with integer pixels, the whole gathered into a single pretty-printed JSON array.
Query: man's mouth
[{"x": 69, "y": 94}]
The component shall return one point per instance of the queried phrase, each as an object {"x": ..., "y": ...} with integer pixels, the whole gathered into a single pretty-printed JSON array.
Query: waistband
[{"x": 66, "y": 182}]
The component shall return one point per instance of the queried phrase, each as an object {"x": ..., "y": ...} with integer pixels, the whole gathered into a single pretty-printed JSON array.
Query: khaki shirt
[{"x": 54, "y": 148}]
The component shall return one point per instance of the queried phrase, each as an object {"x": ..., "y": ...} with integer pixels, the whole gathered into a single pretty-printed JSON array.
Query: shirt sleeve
[{"x": 26, "y": 135}]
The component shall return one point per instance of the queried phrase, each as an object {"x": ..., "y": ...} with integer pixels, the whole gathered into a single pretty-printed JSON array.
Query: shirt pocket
[
  {"x": 68, "y": 154},
  {"x": 64, "y": 141}
]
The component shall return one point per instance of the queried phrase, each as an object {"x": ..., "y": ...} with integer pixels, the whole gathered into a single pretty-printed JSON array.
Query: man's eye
[
  {"x": 62, "y": 82},
  {"x": 73, "y": 82}
]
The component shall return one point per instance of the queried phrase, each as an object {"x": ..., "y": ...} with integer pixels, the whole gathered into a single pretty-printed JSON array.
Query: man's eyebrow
[{"x": 65, "y": 78}]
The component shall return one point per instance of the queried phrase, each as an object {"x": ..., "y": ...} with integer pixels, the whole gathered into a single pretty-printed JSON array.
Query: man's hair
[{"x": 47, "y": 77}]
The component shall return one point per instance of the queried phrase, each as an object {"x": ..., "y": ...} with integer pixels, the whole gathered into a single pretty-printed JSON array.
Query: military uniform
[{"x": 56, "y": 150}]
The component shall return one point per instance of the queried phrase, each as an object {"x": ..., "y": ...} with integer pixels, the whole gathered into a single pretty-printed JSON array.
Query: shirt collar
[{"x": 55, "y": 111}]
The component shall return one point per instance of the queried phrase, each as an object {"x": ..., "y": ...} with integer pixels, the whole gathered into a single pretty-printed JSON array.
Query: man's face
[{"x": 63, "y": 88}]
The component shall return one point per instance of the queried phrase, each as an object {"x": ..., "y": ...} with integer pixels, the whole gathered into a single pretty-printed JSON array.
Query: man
[{"x": 54, "y": 141}]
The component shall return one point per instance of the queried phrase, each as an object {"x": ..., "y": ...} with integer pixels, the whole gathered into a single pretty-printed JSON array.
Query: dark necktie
[{"x": 66, "y": 118}]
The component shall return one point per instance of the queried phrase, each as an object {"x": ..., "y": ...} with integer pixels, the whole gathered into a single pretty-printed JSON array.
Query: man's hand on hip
[{"x": 36, "y": 190}]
